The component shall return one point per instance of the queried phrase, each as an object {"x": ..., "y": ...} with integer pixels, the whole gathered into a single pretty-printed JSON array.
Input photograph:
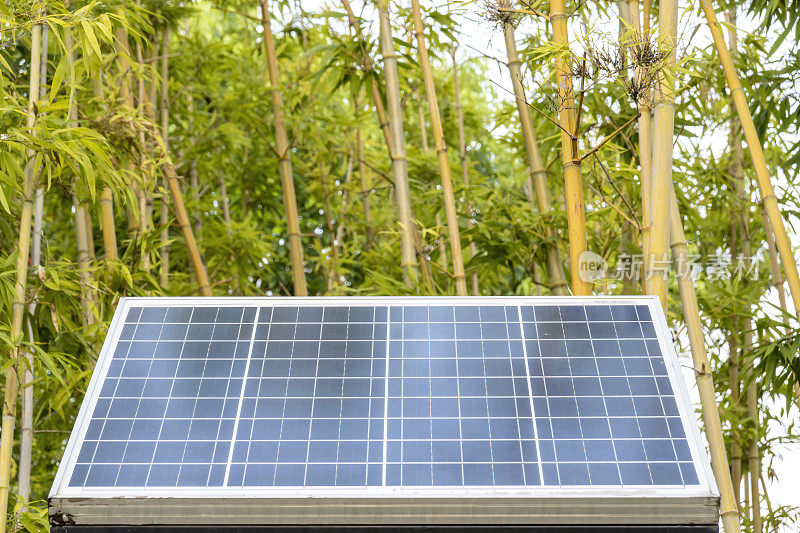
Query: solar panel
[{"x": 230, "y": 395}]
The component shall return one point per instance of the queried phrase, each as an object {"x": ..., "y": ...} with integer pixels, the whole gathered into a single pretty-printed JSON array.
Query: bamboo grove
[{"x": 318, "y": 148}]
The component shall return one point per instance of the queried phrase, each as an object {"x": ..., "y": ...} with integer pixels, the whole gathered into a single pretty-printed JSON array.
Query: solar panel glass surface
[{"x": 416, "y": 394}]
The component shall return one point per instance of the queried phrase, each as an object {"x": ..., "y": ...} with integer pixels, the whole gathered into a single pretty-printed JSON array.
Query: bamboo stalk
[
  {"x": 569, "y": 149},
  {"x": 738, "y": 225},
  {"x": 81, "y": 236},
  {"x": 146, "y": 104},
  {"x": 193, "y": 176},
  {"x": 746, "y": 495},
  {"x": 645, "y": 140},
  {"x": 462, "y": 155},
  {"x": 437, "y": 219},
  {"x": 441, "y": 242},
  {"x": 777, "y": 275},
  {"x": 766, "y": 190},
  {"x": 441, "y": 151},
  {"x": 226, "y": 202},
  {"x": 84, "y": 275},
  {"x": 123, "y": 53},
  {"x": 26, "y": 419},
  {"x": 163, "y": 271},
  {"x": 284, "y": 158},
  {"x": 408, "y": 259},
  {"x": 107, "y": 225},
  {"x": 330, "y": 276},
  {"x": 626, "y": 21},
  {"x": 366, "y": 61},
  {"x": 657, "y": 278},
  {"x": 182, "y": 218},
  {"x": 423, "y": 127},
  {"x": 20, "y": 286},
  {"x": 87, "y": 210},
  {"x": 753, "y": 459},
  {"x": 537, "y": 175},
  {"x": 365, "y": 189},
  {"x": 109, "y": 229},
  {"x": 702, "y": 367}
]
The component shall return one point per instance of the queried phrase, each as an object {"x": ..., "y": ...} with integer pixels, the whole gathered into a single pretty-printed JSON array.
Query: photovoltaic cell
[{"x": 395, "y": 395}]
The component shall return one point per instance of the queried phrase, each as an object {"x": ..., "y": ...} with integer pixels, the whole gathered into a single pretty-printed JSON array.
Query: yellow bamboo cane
[
  {"x": 766, "y": 191},
  {"x": 20, "y": 286},
  {"x": 284, "y": 157},
  {"x": 702, "y": 367},
  {"x": 408, "y": 255},
  {"x": 664, "y": 123},
  {"x": 441, "y": 151},
  {"x": 537, "y": 176},
  {"x": 462, "y": 155},
  {"x": 573, "y": 184},
  {"x": 26, "y": 418}
]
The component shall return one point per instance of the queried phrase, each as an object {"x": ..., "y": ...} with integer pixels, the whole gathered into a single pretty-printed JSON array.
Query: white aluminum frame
[{"x": 612, "y": 504}]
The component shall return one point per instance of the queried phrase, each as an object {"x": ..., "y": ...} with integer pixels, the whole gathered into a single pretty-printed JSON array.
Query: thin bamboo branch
[
  {"x": 702, "y": 368},
  {"x": 284, "y": 158},
  {"x": 766, "y": 190},
  {"x": 441, "y": 150},
  {"x": 613, "y": 134},
  {"x": 661, "y": 182},
  {"x": 571, "y": 159},
  {"x": 462, "y": 155},
  {"x": 408, "y": 259},
  {"x": 20, "y": 286},
  {"x": 537, "y": 175}
]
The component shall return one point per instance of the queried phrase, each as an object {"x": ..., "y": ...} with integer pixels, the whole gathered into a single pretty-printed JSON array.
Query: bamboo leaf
[
  {"x": 58, "y": 77},
  {"x": 88, "y": 31}
]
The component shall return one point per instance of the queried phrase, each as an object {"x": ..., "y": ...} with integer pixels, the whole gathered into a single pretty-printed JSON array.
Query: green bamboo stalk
[
  {"x": 441, "y": 150},
  {"x": 20, "y": 285},
  {"x": 284, "y": 157}
]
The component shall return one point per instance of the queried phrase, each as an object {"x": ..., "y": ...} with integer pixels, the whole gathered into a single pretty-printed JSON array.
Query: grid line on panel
[
  {"x": 485, "y": 399},
  {"x": 386, "y": 396},
  {"x": 530, "y": 393},
  {"x": 241, "y": 394},
  {"x": 313, "y": 399},
  {"x": 341, "y": 406},
  {"x": 460, "y": 417}
]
